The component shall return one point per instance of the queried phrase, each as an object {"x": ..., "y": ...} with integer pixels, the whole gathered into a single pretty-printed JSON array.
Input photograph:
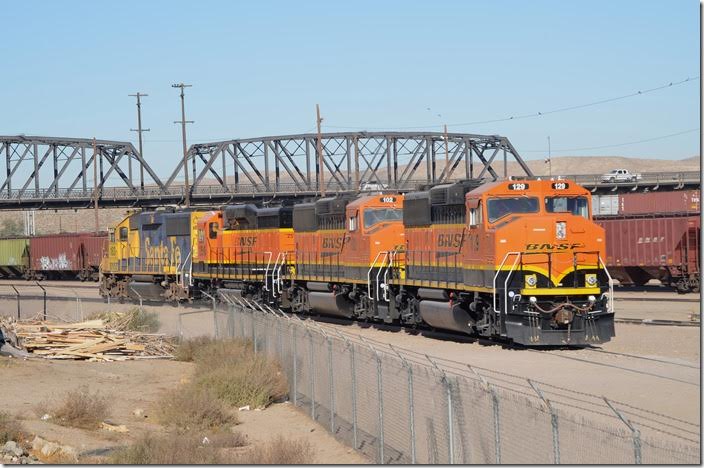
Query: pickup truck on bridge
[{"x": 620, "y": 175}]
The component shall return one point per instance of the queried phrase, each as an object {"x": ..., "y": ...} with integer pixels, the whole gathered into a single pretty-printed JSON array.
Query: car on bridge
[{"x": 620, "y": 175}]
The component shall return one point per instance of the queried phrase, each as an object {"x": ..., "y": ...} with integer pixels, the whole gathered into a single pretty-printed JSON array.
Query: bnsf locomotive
[{"x": 515, "y": 260}]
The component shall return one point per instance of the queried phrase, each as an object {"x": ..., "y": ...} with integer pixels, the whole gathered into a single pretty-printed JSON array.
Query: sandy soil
[{"x": 138, "y": 384}]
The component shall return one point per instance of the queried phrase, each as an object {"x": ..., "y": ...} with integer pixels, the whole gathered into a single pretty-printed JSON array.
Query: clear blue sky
[{"x": 259, "y": 68}]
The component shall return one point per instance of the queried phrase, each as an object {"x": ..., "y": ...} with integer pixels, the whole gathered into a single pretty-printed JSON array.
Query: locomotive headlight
[
  {"x": 590, "y": 278},
  {"x": 560, "y": 230},
  {"x": 531, "y": 281}
]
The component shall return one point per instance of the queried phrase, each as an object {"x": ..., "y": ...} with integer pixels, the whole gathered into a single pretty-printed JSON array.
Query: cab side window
[
  {"x": 475, "y": 216},
  {"x": 123, "y": 233},
  {"x": 112, "y": 235},
  {"x": 213, "y": 230},
  {"x": 353, "y": 223}
]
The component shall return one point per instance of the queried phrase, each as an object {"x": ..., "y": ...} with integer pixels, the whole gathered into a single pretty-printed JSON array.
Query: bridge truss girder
[
  {"x": 396, "y": 160},
  {"x": 38, "y": 167}
]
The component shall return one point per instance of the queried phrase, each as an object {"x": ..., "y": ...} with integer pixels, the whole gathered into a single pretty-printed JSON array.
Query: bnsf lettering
[
  {"x": 560, "y": 246},
  {"x": 449, "y": 240},
  {"x": 247, "y": 241},
  {"x": 332, "y": 242}
]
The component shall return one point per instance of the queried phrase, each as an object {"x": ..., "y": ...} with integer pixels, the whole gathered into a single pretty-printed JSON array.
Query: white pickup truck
[{"x": 620, "y": 175}]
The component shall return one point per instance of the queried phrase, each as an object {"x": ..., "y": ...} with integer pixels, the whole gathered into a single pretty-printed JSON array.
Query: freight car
[
  {"x": 66, "y": 256},
  {"x": 519, "y": 261},
  {"x": 53, "y": 256},
  {"x": 14, "y": 257},
  {"x": 666, "y": 248},
  {"x": 652, "y": 235}
]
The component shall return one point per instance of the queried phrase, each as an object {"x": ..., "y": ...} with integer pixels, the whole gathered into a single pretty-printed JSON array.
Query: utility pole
[
  {"x": 139, "y": 131},
  {"x": 183, "y": 123},
  {"x": 321, "y": 170},
  {"x": 95, "y": 186},
  {"x": 549, "y": 158},
  {"x": 447, "y": 152}
]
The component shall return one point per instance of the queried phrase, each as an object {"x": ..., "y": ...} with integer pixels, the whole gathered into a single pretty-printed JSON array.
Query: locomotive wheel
[{"x": 694, "y": 284}]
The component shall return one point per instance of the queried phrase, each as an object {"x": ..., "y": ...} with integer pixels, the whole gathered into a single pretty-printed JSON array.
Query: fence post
[
  {"x": 380, "y": 398},
  {"x": 295, "y": 368},
  {"x": 495, "y": 403},
  {"x": 312, "y": 376},
  {"x": 332, "y": 388},
  {"x": 17, "y": 294},
  {"x": 450, "y": 426},
  {"x": 634, "y": 431},
  {"x": 254, "y": 332},
  {"x": 411, "y": 412},
  {"x": 44, "y": 291},
  {"x": 553, "y": 422}
]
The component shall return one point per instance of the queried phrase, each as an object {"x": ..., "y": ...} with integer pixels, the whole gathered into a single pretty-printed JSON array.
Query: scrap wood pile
[{"x": 89, "y": 340}]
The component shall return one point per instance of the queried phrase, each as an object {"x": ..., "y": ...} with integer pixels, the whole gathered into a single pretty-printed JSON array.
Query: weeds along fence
[{"x": 397, "y": 406}]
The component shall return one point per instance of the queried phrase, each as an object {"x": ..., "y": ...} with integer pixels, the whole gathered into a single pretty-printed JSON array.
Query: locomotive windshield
[
  {"x": 578, "y": 206},
  {"x": 374, "y": 216},
  {"x": 497, "y": 208}
]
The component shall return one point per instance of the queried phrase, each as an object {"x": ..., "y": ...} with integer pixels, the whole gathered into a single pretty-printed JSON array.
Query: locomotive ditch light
[
  {"x": 560, "y": 230},
  {"x": 590, "y": 278},
  {"x": 592, "y": 299},
  {"x": 533, "y": 299},
  {"x": 531, "y": 281}
]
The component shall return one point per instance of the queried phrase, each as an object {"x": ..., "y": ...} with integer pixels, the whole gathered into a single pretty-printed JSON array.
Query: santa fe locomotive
[{"x": 512, "y": 260}]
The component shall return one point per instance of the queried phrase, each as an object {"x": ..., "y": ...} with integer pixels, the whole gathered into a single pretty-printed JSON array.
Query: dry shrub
[
  {"x": 81, "y": 408},
  {"x": 186, "y": 349},
  {"x": 280, "y": 451},
  {"x": 233, "y": 372},
  {"x": 237, "y": 375},
  {"x": 10, "y": 428},
  {"x": 192, "y": 407},
  {"x": 177, "y": 448}
]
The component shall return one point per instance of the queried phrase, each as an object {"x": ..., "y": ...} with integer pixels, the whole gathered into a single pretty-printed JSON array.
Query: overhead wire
[{"x": 534, "y": 114}]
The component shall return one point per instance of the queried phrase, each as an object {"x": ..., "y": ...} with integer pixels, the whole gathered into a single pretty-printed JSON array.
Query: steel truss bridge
[{"x": 53, "y": 173}]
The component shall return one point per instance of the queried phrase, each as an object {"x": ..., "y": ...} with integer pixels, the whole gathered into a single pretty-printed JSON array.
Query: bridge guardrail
[{"x": 676, "y": 179}]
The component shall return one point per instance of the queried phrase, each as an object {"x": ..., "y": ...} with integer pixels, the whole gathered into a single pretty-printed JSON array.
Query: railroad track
[
  {"x": 671, "y": 323},
  {"x": 655, "y": 299}
]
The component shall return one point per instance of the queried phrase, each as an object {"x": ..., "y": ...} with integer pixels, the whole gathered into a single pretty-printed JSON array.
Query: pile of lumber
[{"x": 89, "y": 340}]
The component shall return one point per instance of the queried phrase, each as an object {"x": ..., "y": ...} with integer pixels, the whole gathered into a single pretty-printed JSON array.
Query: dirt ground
[
  {"x": 648, "y": 366},
  {"x": 135, "y": 385}
]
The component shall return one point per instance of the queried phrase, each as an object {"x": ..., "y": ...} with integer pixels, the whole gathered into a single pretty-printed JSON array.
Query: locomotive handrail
[
  {"x": 369, "y": 273},
  {"x": 611, "y": 285},
  {"x": 266, "y": 270},
  {"x": 496, "y": 275}
]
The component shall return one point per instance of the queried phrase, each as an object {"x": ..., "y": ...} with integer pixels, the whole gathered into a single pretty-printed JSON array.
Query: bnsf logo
[
  {"x": 332, "y": 242},
  {"x": 449, "y": 240},
  {"x": 247, "y": 241},
  {"x": 560, "y": 246}
]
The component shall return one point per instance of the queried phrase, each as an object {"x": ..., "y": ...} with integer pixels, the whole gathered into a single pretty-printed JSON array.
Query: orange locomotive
[
  {"x": 517, "y": 260},
  {"x": 243, "y": 247}
]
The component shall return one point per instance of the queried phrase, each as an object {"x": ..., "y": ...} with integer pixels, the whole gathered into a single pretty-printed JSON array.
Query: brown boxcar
[
  {"x": 681, "y": 201},
  {"x": 63, "y": 256},
  {"x": 661, "y": 247}
]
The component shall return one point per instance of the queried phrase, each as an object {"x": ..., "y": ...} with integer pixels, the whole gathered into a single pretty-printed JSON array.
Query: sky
[{"x": 259, "y": 68}]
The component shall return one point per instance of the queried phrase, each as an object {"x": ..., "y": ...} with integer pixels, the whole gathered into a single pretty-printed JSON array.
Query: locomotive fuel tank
[
  {"x": 331, "y": 304},
  {"x": 446, "y": 316}
]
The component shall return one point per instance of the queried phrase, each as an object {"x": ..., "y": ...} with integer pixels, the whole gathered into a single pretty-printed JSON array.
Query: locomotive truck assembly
[{"x": 519, "y": 261}]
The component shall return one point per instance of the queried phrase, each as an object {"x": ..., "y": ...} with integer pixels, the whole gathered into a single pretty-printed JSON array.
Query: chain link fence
[{"x": 397, "y": 406}]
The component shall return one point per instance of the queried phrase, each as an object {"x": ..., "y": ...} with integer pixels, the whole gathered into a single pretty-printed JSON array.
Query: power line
[
  {"x": 662, "y": 137},
  {"x": 535, "y": 114}
]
